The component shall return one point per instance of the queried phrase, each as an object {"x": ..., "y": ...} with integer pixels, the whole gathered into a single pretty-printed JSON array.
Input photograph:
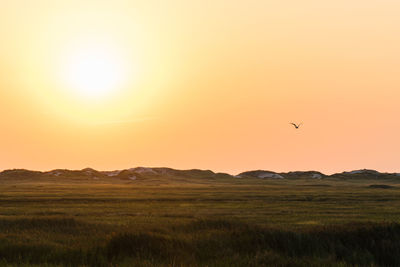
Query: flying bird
[{"x": 296, "y": 125}]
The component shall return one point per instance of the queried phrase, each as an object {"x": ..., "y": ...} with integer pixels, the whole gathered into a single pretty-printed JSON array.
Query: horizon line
[{"x": 311, "y": 170}]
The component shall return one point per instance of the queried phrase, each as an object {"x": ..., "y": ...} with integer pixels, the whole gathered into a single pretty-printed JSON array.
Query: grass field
[{"x": 199, "y": 222}]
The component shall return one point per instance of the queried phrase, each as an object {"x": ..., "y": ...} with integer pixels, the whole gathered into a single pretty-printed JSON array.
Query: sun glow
[{"x": 94, "y": 72}]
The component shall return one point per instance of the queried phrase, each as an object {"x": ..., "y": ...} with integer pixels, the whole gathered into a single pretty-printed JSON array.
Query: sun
[{"x": 94, "y": 73}]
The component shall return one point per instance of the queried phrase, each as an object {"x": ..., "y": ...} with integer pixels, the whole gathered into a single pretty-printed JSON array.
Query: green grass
[{"x": 199, "y": 222}]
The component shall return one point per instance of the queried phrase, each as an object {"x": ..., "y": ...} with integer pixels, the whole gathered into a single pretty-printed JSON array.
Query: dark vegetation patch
[
  {"x": 53, "y": 224},
  {"x": 207, "y": 243},
  {"x": 381, "y": 186},
  {"x": 316, "y": 185}
]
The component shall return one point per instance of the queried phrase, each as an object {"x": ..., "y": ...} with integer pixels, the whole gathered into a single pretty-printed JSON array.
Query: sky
[{"x": 200, "y": 84}]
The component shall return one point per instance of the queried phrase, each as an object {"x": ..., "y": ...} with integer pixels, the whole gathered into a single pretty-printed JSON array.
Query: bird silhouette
[{"x": 296, "y": 125}]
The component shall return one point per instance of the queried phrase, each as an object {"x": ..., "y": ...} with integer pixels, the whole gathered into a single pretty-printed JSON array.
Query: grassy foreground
[{"x": 223, "y": 222}]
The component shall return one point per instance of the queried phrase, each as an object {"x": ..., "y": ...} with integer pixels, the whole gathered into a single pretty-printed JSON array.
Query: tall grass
[
  {"x": 204, "y": 243},
  {"x": 241, "y": 223}
]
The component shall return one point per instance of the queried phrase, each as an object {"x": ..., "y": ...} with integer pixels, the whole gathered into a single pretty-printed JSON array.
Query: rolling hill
[{"x": 169, "y": 175}]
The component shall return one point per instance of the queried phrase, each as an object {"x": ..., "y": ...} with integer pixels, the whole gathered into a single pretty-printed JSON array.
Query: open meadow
[{"x": 199, "y": 221}]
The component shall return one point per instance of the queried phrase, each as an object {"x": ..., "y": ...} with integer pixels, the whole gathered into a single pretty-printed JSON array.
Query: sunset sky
[{"x": 200, "y": 84}]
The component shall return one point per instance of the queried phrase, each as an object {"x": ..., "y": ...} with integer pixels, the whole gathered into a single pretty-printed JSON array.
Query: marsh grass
[
  {"x": 203, "y": 243},
  {"x": 240, "y": 223}
]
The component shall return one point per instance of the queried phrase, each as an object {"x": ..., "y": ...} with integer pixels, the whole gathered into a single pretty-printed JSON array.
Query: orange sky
[{"x": 207, "y": 84}]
